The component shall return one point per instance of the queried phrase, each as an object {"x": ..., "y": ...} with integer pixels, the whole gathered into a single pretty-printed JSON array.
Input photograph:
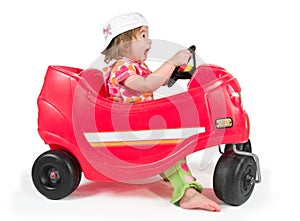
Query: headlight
[{"x": 235, "y": 97}]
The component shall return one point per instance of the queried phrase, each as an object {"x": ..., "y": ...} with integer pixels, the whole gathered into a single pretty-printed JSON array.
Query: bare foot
[{"x": 192, "y": 199}]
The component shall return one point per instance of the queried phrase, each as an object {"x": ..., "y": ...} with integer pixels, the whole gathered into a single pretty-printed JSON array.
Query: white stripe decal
[{"x": 145, "y": 135}]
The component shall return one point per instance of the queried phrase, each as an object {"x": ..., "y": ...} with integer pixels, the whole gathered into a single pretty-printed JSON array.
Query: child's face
[{"x": 140, "y": 45}]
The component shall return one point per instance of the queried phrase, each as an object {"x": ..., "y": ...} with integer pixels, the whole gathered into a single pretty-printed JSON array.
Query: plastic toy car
[{"x": 110, "y": 141}]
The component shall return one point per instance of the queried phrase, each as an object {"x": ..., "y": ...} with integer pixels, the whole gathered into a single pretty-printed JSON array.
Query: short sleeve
[{"x": 122, "y": 70}]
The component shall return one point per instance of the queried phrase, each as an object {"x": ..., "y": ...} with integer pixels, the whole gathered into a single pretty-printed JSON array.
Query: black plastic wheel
[
  {"x": 56, "y": 174},
  {"x": 232, "y": 178},
  {"x": 241, "y": 146}
]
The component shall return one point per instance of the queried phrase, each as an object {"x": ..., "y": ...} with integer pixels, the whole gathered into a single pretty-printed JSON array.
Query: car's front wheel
[{"x": 234, "y": 178}]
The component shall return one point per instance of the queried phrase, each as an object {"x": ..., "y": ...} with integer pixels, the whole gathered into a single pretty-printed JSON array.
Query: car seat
[{"x": 96, "y": 80}]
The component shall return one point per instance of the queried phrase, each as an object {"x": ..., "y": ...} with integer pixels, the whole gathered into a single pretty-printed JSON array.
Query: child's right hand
[{"x": 180, "y": 58}]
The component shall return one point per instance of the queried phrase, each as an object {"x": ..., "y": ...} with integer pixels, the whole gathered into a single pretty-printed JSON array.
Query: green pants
[{"x": 181, "y": 179}]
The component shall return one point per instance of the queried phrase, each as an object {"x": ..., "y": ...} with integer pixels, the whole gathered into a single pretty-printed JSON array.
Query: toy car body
[{"x": 111, "y": 141}]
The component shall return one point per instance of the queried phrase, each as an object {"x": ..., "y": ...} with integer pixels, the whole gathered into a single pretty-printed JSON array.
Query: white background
[{"x": 257, "y": 41}]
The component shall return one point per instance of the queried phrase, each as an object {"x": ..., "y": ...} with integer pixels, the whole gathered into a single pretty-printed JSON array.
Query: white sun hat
[{"x": 121, "y": 24}]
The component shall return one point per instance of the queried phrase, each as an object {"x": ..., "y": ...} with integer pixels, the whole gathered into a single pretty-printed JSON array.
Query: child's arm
[{"x": 160, "y": 76}]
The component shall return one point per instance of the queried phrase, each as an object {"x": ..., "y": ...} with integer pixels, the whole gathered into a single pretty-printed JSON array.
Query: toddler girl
[{"x": 130, "y": 81}]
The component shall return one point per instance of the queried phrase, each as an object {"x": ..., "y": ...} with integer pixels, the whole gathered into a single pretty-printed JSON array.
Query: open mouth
[{"x": 146, "y": 52}]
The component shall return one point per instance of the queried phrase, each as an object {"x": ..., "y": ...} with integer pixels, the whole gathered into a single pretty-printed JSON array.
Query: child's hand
[{"x": 180, "y": 58}]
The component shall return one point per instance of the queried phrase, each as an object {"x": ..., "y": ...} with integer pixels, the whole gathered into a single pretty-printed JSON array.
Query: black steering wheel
[{"x": 178, "y": 74}]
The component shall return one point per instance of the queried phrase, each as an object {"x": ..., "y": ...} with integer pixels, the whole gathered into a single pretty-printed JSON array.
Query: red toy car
[{"x": 111, "y": 141}]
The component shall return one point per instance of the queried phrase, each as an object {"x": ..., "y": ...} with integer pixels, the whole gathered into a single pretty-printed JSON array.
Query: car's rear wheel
[
  {"x": 234, "y": 177},
  {"x": 56, "y": 174}
]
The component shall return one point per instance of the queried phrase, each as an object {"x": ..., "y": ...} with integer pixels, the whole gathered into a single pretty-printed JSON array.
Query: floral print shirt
[{"x": 119, "y": 72}]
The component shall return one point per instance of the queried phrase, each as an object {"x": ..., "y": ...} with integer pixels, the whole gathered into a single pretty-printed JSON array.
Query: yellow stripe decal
[
  {"x": 141, "y": 137},
  {"x": 134, "y": 143}
]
